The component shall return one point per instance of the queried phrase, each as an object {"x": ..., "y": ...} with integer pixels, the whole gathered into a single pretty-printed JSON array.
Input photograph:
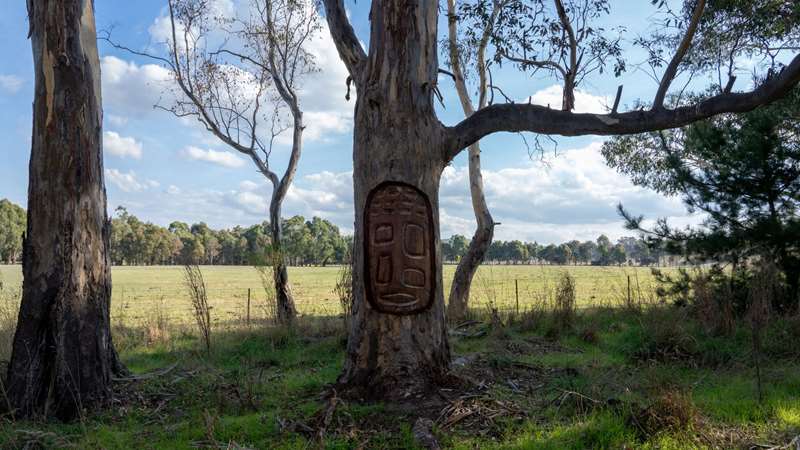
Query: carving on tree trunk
[
  {"x": 399, "y": 249},
  {"x": 398, "y": 137}
]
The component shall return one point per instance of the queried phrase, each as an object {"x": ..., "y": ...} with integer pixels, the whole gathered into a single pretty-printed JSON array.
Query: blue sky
[{"x": 163, "y": 169}]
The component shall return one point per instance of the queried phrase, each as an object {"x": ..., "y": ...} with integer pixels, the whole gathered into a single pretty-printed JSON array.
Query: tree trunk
[
  {"x": 285, "y": 308},
  {"x": 398, "y": 339},
  {"x": 284, "y": 300},
  {"x": 62, "y": 358},
  {"x": 458, "y": 301}
]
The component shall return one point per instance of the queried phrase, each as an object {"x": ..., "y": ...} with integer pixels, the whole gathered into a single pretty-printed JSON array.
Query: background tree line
[
  {"x": 134, "y": 242},
  {"x": 308, "y": 242},
  {"x": 601, "y": 252}
]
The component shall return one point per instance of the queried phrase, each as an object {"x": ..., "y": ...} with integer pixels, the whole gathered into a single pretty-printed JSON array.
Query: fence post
[
  {"x": 516, "y": 293},
  {"x": 248, "y": 307},
  {"x": 629, "y": 290}
]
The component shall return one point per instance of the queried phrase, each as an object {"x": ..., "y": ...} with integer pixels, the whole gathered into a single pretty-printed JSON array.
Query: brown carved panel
[{"x": 400, "y": 266}]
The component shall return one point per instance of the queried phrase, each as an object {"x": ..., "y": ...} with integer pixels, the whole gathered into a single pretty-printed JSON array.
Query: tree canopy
[
  {"x": 741, "y": 171},
  {"x": 12, "y": 227}
]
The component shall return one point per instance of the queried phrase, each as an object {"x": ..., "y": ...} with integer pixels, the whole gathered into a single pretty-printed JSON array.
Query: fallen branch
[{"x": 146, "y": 376}]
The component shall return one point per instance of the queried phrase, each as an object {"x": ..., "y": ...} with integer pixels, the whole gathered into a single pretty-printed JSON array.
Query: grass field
[
  {"x": 138, "y": 291},
  {"x": 644, "y": 376}
]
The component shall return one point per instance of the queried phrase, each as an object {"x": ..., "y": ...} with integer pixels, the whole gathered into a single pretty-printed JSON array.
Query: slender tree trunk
[
  {"x": 398, "y": 341},
  {"x": 458, "y": 301},
  {"x": 481, "y": 241},
  {"x": 284, "y": 299},
  {"x": 62, "y": 358}
]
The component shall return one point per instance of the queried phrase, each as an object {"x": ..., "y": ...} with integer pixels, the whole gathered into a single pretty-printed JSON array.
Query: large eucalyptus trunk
[
  {"x": 62, "y": 358},
  {"x": 398, "y": 340}
]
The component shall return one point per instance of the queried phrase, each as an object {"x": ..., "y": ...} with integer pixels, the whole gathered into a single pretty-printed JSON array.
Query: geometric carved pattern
[{"x": 400, "y": 266}]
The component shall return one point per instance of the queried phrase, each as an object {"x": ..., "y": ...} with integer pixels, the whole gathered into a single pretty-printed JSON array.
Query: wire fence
[{"x": 318, "y": 298}]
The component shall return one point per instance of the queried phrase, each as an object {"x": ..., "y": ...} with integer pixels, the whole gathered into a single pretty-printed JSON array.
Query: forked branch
[
  {"x": 347, "y": 43},
  {"x": 680, "y": 54}
]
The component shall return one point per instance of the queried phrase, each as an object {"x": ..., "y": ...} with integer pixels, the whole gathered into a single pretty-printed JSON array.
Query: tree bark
[
  {"x": 395, "y": 355},
  {"x": 63, "y": 358}
]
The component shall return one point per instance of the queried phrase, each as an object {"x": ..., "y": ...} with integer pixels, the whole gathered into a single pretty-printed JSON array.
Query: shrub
[{"x": 565, "y": 305}]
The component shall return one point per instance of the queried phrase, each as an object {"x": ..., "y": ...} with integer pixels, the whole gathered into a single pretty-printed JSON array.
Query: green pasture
[{"x": 139, "y": 292}]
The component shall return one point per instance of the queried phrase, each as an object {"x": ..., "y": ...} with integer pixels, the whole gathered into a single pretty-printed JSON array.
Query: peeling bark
[{"x": 63, "y": 358}]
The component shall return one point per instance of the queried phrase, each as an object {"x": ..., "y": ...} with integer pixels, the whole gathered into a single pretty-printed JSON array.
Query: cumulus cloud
[
  {"x": 248, "y": 185},
  {"x": 326, "y": 194},
  {"x": 121, "y": 146},
  {"x": 11, "y": 84},
  {"x": 130, "y": 89},
  {"x": 584, "y": 101},
  {"x": 322, "y": 92},
  {"x": 129, "y": 182},
  {"x": 116, "y": 120},
  {"x": 221, "y": 158},
  {"x": 574, "y": 197}
]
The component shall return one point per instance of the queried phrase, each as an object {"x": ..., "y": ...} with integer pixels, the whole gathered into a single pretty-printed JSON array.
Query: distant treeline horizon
[{"x": 316, "y": 242}]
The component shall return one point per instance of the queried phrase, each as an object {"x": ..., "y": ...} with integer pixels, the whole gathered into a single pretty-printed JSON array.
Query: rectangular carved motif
[{"x": 398, "y": 243}]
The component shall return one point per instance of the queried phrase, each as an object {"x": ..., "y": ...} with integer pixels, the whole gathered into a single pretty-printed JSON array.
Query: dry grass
[
  {"x": 10, "y": 297},
  {"x": 140, "y": 288}
]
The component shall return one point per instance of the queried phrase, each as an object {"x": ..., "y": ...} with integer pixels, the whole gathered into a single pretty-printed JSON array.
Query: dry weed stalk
[
  {"x": 193, "y": 279},
  {"x": 344, "y": 291},
  {"x": 764, "y": 289}
]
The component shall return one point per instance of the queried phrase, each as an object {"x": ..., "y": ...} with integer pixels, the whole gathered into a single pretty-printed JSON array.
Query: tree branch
[
  {"x": 568, "y": 103},
  {"x": 538, "y": 119},
  {"x": 680, "y": 53},
  {"x": 545, "y": 64},
  {"x": 344, "y": 36}
]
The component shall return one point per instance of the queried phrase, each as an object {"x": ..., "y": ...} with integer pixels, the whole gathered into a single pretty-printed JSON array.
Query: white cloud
[
  {"x": 322, "y": 92},
  {"x": 221, "y": 158},
  {"x": 326, "y": 194},
  {"x": 584, "y": 101},
  {"x": 11, "y": 83},
  {"x": 129, "y": 182},
  {"x": 116, "y": 120},
  {"x": 121, "y": 146},
  {"x": 248, "y": 185},
  {"x": 130, "y": 89},
  {"x": 173, "y": 190},
  {"x": 574, "y": 198}
]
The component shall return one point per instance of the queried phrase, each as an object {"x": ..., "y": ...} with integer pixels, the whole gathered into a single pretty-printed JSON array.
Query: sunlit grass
[{"x": 139, "y": 291}]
